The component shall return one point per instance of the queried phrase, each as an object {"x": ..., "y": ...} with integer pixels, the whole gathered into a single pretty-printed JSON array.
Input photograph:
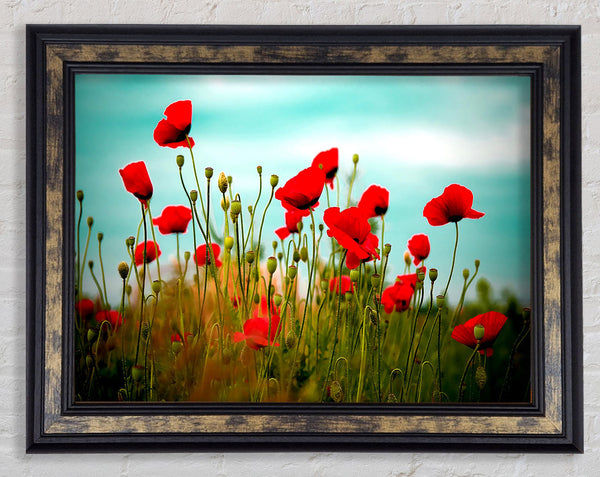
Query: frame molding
[{"x": 549, "y": 55}]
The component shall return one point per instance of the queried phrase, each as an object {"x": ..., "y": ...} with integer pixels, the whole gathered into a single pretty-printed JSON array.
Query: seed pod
[
  {"x": 180, "y": 160},
  {"x": 292, "y": 271},
  {"x": 208, "y": 172},
  {"x": 80, "y": 195},
  {"x": 465, "y": 273},
  {"x": 228, "y": 243},
  {"x": 274, "y": 180},
  {"x": 391, "y": 398},
  {"x": 123, "y": 269},
  {"x": 478, "y": 331},
  {"x": 433, "y": 274},
  {"x": 375, "y": 280},
  {"x": 194, "y": 195}
]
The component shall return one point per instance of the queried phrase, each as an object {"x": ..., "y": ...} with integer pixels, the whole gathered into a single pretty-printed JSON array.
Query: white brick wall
[{"x": 14, "y": 14}]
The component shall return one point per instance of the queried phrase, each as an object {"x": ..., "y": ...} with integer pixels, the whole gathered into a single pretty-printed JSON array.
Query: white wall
[{"x": 14, "y": 14}]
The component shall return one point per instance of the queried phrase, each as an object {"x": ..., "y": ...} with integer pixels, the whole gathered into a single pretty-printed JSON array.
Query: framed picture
[{"x": 303, "y": 238}]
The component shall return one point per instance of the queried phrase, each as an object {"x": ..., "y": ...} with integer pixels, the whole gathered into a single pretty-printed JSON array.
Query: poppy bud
[
  {"x": 355, "y": 158},
  {"x": 259, "y": 169},
  {"x": 80, "y": 195},
  {"x": 222, "y": 182},
  {"x": 387, "y": 248},
  {"x": 420, "y": 274},
  {"x": 433, "y": 274},
  {"x": 271, "y": 265},
  {"x": 279, "y": 255},
  {"x": 225, "y": 204},
  {"x": 92, "y": 334},
  {"x": 274, "y": 180},
  {"x": 236, "y": 207},
  {"x": 130, "y": 241},
  {"x": 407, "y": 259},
  {"x": 290, "y": 339},
  {"x": 375, "y": 280},
  {"x": 321, "y": 227},
  {"x": 480, "y": 377},
  {"x": 208, "y": 172},
  {"x": 100, "y": 236},
  {"x": 156, "y": 286},
  {"x": 180, "y": 160},
  {"x": 335, "y": 391},
  {"x": 176, "y": 346},
  {"x": 91, "y": 264},
  {"x": 145, "y": 330},
  {"x": 89, "y": 361},
  {"x": 123, "y": 270},
  {"x": 277, "y": 299},
  {"x": 128, "y": 290},
  {"x": 292, "y": 271},
  {"x": 229, "y": 180},
  {"x": 304, "y": 254},
  {"x": 477, "y": 263},
  {"x": 250, "y": 256},
  {"x": 391, "y": 398},
  {"x": 274, "y": 245},
  {"x": 479, "y": 331},
  {"x": 296, "y": 256},
  {"x": 228, "y": 243},
  {"x": 256, "y": 298},
  {"x": 440, "y": 299},
  {"x": 90, "y": 221},
  {"x": 354, "y": 274},
  {"x": 137, "y": 372},
  {"x": 186, "y": 255},
  {"x": 299, "y": 226},
  {"x": 465, "y": 273}
]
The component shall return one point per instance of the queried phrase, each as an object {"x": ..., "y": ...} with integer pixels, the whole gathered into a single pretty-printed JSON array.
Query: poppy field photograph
[{"x": 302, "y": 238}]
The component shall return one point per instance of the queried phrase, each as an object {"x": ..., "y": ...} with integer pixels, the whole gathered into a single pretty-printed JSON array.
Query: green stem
[
  {"x": 154, "y": 239},
  {"x": 462, "y": 379},
  {"x": 137, "y": 349},
  {"x": 453, "y": 259},
  {"x": 337, "y": 325},
  {"x": 102, "y": 271}
]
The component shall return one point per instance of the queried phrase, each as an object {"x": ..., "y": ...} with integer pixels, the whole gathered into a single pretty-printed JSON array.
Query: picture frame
[{"x": 549, "y": 55}]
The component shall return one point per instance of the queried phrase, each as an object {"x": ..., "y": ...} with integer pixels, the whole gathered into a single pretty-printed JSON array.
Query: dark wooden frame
[{"x": 550, "y": 55}]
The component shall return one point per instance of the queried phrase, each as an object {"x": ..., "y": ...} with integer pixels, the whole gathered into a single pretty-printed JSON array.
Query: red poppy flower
[
  {"x": 351, "y": 229},
  {"x": 329, "y": 161},
  {"x": 410, "y": 278},
  {"x": 375, "y": 201},
  {"x": 113, "y": 317},
  {"x": 174, "y": 219},
  {"x": 172, "y": 131},
  {"x": 152, "y": 250},
  {"x": 137, "y": 181},
  {"x": 256, "y": 329},
  {"x": 346, "y": 285},
  {"x": 453, "y": 205},
  {"x": 292, "y": 218},
  {"x": 397, "y": 296},
  {"x": 176, "y": 337},
  {"x": 202, "y": 257},
  {"x": 303, "y": 190},
  {"x": 492, "y": 322},
  {"x": 85, "y": 307},
  {"x": 419, "y": 247}
]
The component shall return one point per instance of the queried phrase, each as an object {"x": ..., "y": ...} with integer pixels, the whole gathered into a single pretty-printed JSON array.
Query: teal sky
[{"x": 414, "y": 135}]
